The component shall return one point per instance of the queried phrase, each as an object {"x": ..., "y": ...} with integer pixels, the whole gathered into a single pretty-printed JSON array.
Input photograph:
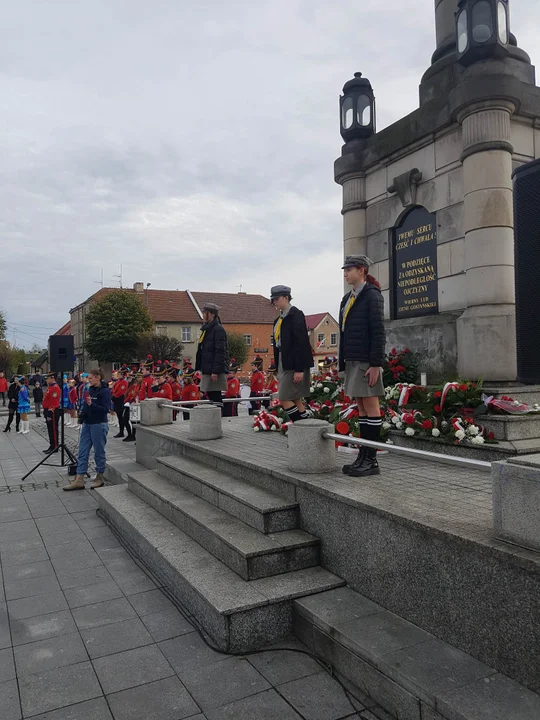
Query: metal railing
[{"x": 414, "y": 452}]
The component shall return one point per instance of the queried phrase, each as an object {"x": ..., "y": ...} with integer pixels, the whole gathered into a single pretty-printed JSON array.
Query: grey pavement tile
[
  {"x": 90, "y": 523},
  {"x": 103, "y": 613},
  {"x": 89, "y": 710},
  {"x": 189, "y": 650},
  {"x": 48, "y": 654},
  {"x": 5, "y": 635},
  {"x": 230, "y": 680},
  {"x": 164, "y": 699},
  {"x": 96, "y": 532},
  {"x": 82, "y": 577},
  {"x": 279, "y": 666},
  {"x": 48, "y": 511},
  {"x": 31, "y": 587},
  {"x": 167, "y": 624},
  {"x": 76, "y": 560},
  {"x": 9, "y": 700},
  {"x": 58, "y": 688},
  {"x": 21, "y": 530},
  {"x": 32, "y": 606},
  {"x": 147, "y": 603},
  {"x": 57, "y": 525},
  {"x": 14, "y": 513},
  {"x": 105, "y": 543},
  {"x": 28, "y": 556},
  {"x": 41, "y": 627},
  {"x": 131, "y": 579},
  {"x": 7, "y": 668},
  {"x": 67, "y": 539},
  {"x": 74, "y": 550},
  {"x": 132, "y": 667},
  {"x": 116, "y": 637},
  {"x": 28, "y": 570},
  {"x": 318, "y": 697},
  {"x": 267, "y": 705},
  {"x": 112, "y": 555},
  {"x": 91, "y": 594},
  {"x": 377, "y": 713}
]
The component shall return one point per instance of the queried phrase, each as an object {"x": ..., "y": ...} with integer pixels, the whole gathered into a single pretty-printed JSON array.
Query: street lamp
[
  {"x": 482, "y": 30},
  {"x": 357, "y": 109}
]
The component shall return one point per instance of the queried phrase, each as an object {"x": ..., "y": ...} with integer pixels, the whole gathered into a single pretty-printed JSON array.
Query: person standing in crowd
[
  {"x": 52, "y": 411},
  {"x": 132, "y": 397},
  {"x": 13, "y": 404},
  {"x": 72, "y": 403},
  {"x": 95, "y": 428},
  {"x": 176, "y": 387},
  {"x": 271, "y": 386},
  {"x": 292, "y": 354},
  {"x": 233, "y": 390},
  {"x": 190, "y": 391},
  {"x": 3, "y": 388},
  {"x": 361, "y": 356},
  {"x": 66, "y": 417},
  {"x": 23, "y": 407},
  {"x": 256, "y": 384},
  {"x": 37, "y": 392},
  {"x": 162, "y": 387},
  {"x": 147, "y": 379},
  {"x": 119, "y": 390},
  {"x": 212, "y": 355}
]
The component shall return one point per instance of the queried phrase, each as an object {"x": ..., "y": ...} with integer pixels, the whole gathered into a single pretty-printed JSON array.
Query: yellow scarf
[
  {"x": 202, "y": 336},
  {"x": 277, "y": 329},
  {"x": 347, "y": 310}
]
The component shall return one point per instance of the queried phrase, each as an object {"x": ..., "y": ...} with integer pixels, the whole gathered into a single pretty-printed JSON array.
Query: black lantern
[
  {"x": 357, "y": 109},
  {"x": 482, "y": 30}
]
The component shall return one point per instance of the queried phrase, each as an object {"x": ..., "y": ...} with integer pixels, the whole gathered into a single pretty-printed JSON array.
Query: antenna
[
  {"x": 119, "y": 276},
  {"x": 100, "y": 282},
  {"x": 240, "y": 287}
]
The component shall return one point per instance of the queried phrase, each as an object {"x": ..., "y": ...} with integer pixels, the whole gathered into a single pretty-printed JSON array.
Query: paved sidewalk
[{"x": 86, "y": 635}]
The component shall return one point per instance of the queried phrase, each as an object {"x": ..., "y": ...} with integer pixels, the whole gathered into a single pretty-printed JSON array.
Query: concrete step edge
[{"x": 360, "y": 639}]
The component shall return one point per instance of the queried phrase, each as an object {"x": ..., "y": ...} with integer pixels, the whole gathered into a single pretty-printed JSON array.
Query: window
[
  {"x": 333, "y": 339},
  {"x": 186, "y": 334},
  {"x": 347, "y": 113},
  {"x": 363, "y": 110},
  {"x": 320, "y": 338},
  {"x": 482, "y": 27},
  {"x": 247, "y": 340},
  {"x": 161, "y": 329}
]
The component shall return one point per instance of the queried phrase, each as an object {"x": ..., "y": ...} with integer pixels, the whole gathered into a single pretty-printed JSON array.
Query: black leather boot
[
  {"x": 359, "y": 460},
  {"x": 369, "y": 465}
]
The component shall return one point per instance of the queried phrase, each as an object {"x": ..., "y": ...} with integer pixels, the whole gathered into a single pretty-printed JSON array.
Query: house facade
[{"x": 323, "y": 331}]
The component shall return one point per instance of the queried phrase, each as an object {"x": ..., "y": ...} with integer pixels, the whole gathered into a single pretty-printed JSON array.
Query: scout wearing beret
[
  {"x": 292, "y": 354},
  {"x": 212, "y": 355},
  {"x": 233, "y": 390},
  {"x": 361, "y": 356}
]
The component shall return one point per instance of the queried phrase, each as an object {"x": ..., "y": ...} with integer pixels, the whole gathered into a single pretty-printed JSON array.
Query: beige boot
[
  {"x": 77, "y": 484},
  {"x": 98, "y": 482}
]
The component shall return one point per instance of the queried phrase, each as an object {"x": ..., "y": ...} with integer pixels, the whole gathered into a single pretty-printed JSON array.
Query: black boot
[
  {"x": 369, "y": 465},
  {"x": 119, "y": 435},
  {"x": 130, "y": 438},
  {"x": 362, "y": 422}
]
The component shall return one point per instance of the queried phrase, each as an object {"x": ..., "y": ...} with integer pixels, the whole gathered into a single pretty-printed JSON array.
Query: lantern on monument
[
  {"x": 482, "y": 30},
  {"x": 357, "y": 109}
]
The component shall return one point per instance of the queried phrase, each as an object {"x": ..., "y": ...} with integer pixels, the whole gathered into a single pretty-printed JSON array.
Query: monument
[{"x": 429, "y": 198}]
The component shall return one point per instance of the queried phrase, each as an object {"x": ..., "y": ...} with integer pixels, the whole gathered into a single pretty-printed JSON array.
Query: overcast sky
[{"x": 193, "y": 142}]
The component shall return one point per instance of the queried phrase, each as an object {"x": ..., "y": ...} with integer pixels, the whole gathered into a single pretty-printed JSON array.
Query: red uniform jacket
[
  {"x": 73, "y": 395},
  {"x": 272, "y": 385},
  {"x": 120, "y": 388},
  {"x": 3, "y": 385},
  {"x": 257, "y": 382},
  {"x": 164, "y": 392},
  {"x": 51, "y": 400},
  {"x": 133, "y": 393},
  {"x": 233, "y": 388},
  {"x": 176, "y": 391},
  {"x": 146, "y": 388},
  {"x": 190, "y": 392}
]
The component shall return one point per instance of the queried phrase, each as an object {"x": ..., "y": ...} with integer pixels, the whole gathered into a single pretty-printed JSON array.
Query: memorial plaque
[{"x": 415, "y": 286}]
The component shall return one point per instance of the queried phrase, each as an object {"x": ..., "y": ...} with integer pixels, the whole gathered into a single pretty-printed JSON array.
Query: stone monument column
[
  {"x": 354, "y": 215},
  {"x": 486, "y": 330}
]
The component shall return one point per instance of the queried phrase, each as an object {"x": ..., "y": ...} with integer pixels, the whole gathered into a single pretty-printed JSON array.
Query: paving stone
[
  {"x": 22, "y": 530},
  {"x": 165, "y": 699},
  {"x": 48, "y": 654},
  {"x": 7, "y": 667},
  {"x": 10, "y": 548},
  {"x": 9, "y": 700},
  {"x": 83, "y": 577},
  {"x": 57, "y": 525},
  {"x": 187, "y": 650},
  {"x": 76, "y": 560},
  {"x": 280, "y": 666},
  {"x": 103, "y": 613},
  {"x": 116, "y": 637},
  {"x": 31, "y": 587},
  {"x": 318, "y": 697},
  {"x": 30, "y": 607},
  {"x": 58, "y": 688},
  {"x": 132, "y": 667},
  {"x": 29, "y": 556},
  {"x": 13, "y": 513},
  {"x": 130, "y": 578},
  {"x": 89, "y": 710},
  {"x": 112, "y": 555},
  {"x": 268, "y": 705},
  {"x": 5, "y": 634},
  {"x": 91, "y": 594},
  {"x": 42, "y": 627},
  {"x": 28, "y": 570},
  {"x": 105, "y": 543},
  {"x": 48, "y": 511},
  {"x": 147, "y": 603},
  {"x": 167, "y": 624},
  {"x": 380, "y": 634},
  {"x": 74, "y": 550}
]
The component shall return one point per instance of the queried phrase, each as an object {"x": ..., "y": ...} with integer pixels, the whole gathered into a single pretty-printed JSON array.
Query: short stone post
[
  {"x": 516, "y": 501},
  {"x": 153, "y": 414},
  {"x": 309, "y": 451},
  {"x": 205, "y": 422}
]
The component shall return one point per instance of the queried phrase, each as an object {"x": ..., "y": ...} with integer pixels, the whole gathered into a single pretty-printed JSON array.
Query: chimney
[
  {"x": 445, "y": 27},
  {"x": 138, "y": 287}
]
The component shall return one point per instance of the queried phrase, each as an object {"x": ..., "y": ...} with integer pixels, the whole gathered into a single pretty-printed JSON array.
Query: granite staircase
[{"x": 231, "y": 552}]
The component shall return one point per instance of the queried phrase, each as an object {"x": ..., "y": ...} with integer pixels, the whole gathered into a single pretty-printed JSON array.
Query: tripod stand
[{"x": 64, "y": 450}]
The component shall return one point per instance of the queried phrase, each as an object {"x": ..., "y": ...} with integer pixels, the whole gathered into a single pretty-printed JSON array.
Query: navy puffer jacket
[{"x": 364, "y": 338}]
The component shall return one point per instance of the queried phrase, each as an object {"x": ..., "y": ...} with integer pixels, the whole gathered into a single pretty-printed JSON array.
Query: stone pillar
[
  {"x": 309, "y": 452},
  {"x": 205, "y": 422},
  {"x": 153, "y": 414},
  {"x": 486, "y": 330},
  {"x": 354, "y": 216},
  {"x": 445, "y": 27},
  {"x": 516, "y": 501}
]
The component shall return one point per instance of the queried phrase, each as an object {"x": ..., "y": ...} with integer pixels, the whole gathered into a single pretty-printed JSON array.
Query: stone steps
[
  {"x": 117, "y": 471},
  {"x": 409, "y": 672},
  {"x": 238, "y": 615},
  {"x": 512, "y": 427},
  {"x": 529, "y": 394},
  {"x": 262, "y": 510},
  {"x": 246, "y": 551}
]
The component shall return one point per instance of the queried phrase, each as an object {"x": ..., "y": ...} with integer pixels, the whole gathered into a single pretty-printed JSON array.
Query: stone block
[
  {"x": 522, "y": 138},
  {"x": 153, "y": 414},
  {"x": 512, "y": 427},
  {"x": 450, "y": 223},
  {"x": 132, "y": 667},
  {"x": 387, "y": 307},
  {"x": 486, "y": 343},
  {"x": 205, "y": 423},
  {"x": 164, "y": 699},
  {"x": 383, "y": 215},
  {"x": 354, "y": 223},
  {"x": 378, "y": 246},
  {"x": 491, "y": 169},
  {"x": 376, "y": 184},
  {"x": 516, "y": 504},
  {"x": 452, "y": 293},
  {"x": 490, "y": 285},
  {"x": 487, "y": 246},
  {"x": 355, "y": 246},
  {"x": 448, "y": 148},
  {"x": 537, "y": 143},
  {"x": 457, "y": 256},
  {"x": 309, "y": 452},
  {"x": 455, "y": 186},
  {"x": 444, "y": 268},
  {"x": 434, "y": 193},
  {"x": 381, "y": 272},
  {"x": 423, "y": 159},
  {"x": 488, "y": 208}
]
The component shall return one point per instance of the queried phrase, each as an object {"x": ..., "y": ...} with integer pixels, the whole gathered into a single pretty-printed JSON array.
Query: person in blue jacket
[
  {"x": 95, "y": 427},
  {"x": 24, "y": 407}
]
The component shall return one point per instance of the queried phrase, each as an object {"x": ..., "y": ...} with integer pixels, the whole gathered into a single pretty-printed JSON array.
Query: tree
[
  {"x": 237, "y": 348},
  {"x": 160, "y": 347},
  {"x": 12, "y": 360},
  {"x": 2, "y": 325},
  {"x": 114, "y": 326}
]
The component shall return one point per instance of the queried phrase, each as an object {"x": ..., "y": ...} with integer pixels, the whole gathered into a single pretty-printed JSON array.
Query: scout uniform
[
  {"x": 163, "y": 389},
  {"x": 257, "y": 382},
  {"x": 212, "y": 355},
  {"x": 190, "y": 391},
  {"x": 147, "y": 380},
  {"x": 271, "y": 386},
  {"x": 118, "y": 393},
  {"x": 233, "y": 390},
  {"x": 51, "y": 411}
]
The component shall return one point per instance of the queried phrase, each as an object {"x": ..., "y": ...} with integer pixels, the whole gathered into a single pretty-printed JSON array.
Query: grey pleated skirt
[
  {"x": 208, "y": 386},
  {"x": 356, "y": 383},
  {"x": 289, "y": 390}
]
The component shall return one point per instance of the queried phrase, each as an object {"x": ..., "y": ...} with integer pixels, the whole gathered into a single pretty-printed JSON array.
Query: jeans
[
  {"x": 92, "y": 436},
  {"x": 37, "y": 407}
]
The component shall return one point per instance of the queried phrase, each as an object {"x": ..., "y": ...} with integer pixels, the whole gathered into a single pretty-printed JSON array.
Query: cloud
[{"x": 191, "y": 142}]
